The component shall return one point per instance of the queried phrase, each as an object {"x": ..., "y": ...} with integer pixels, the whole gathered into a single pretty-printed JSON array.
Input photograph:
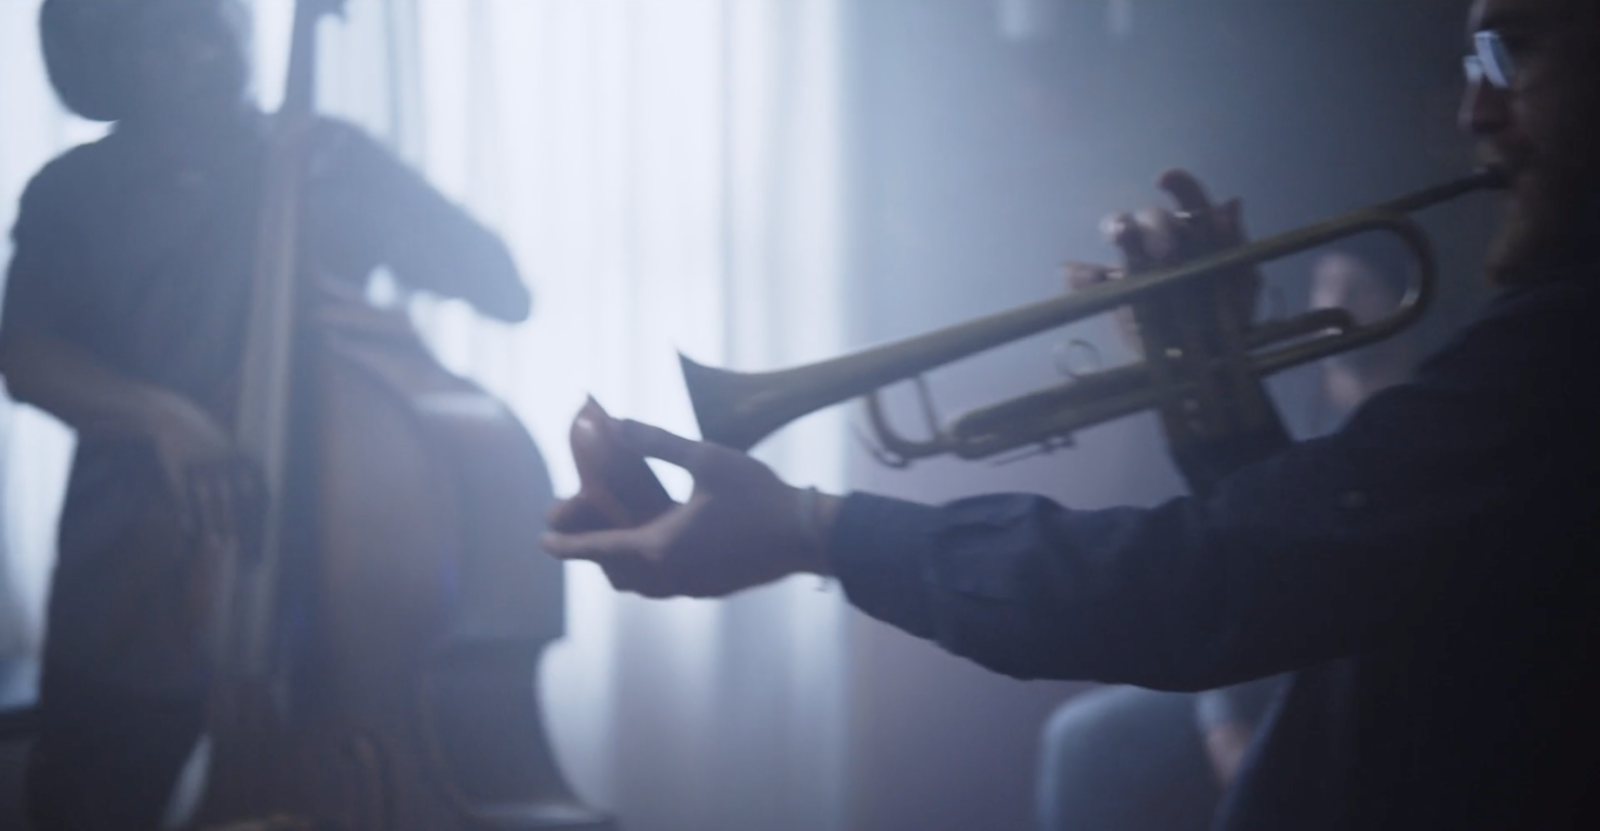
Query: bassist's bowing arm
[{"x": 388, "y": 214}]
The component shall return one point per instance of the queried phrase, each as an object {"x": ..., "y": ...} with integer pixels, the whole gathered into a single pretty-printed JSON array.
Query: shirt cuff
[{"x": 876, "y": 548}]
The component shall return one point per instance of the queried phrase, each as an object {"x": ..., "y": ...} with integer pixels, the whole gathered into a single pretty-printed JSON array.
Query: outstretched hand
[{"x": 741, "y": 527}]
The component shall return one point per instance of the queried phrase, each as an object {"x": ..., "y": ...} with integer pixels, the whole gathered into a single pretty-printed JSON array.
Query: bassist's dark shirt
[{"x": 144, "y": 259}]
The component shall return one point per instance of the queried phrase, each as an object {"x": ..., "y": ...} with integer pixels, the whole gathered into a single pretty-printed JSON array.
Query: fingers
[
  {"x": 602, "y": 547},
  {"x": 1224, "y": 225},
  {"x": 638, "y": 577},
  {"x": 1158, "y": 235},
  {"x": 220, "y": 503},
  {"x": 1186, "y": 190},
  {"x": 623, "y": 560},
  {"x": 671, "y": 448},
  {"x": 1145, "y": 238},
  {"x": 655, "y": 443},
  {"x": 575, "y": 516},
  {"x": 1121, "y": 232},
  {"x": 1082, "y": 276}
]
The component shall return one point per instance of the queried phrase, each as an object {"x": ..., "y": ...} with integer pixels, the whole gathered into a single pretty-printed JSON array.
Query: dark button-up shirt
[
  {"x": 144, "y": 259},
  {"x": 1428, "y": 571}
]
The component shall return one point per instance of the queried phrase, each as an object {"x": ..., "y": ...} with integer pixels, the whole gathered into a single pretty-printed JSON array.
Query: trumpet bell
[{"x": 733, "y": 409}]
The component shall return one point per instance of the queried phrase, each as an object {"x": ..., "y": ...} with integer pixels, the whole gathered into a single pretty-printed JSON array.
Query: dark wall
[{"x": 979, "y": 165}]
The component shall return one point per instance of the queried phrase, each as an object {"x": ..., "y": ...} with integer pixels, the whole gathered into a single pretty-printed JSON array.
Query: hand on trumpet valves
[
  {"x": 741, "y": 527},
  {"x": 1156, "y": 237}
]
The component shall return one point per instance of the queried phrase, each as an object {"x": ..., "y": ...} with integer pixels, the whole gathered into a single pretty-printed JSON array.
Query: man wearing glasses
[{"x": 1427, "y": 572}]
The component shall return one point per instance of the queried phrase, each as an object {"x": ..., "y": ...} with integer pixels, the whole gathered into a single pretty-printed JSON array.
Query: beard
[
  {"x": 1554, "y": 192},
  {"x": 1547, "y": 219}
]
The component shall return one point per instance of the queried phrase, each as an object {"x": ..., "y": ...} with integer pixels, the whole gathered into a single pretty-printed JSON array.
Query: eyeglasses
[{"x": 1490, "y": 61}]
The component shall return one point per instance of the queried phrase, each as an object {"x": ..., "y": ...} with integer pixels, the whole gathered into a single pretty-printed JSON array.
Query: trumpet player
[{"x": 1426, "y": 571}]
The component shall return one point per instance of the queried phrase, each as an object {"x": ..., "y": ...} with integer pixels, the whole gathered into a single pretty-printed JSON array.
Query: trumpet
[{"x": 1189, "y": 366}]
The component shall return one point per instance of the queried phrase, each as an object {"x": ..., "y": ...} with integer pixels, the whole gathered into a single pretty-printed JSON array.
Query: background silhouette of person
[{"x": 125, "y": 312}]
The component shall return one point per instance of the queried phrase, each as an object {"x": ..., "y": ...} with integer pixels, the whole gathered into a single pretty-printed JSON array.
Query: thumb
[
  {"x": 600, "y": 546},
  {"x": 657, "y": 443},
  {"x": 1082, "y": 276}
]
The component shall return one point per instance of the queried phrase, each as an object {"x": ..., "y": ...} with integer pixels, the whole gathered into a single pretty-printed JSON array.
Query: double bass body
[
  {"x": 414, "y": 700},
  {"x": 430, "y": 610},
  {"x": 413, "y": 703}
]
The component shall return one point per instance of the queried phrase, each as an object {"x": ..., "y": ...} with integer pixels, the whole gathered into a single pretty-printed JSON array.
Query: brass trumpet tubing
[
  {"x": 1050, "y": 414},
  {"x": 738, "y": 410},
  {"x": 1481, "y": 179},
  {"x": 1053, "y": 414}
]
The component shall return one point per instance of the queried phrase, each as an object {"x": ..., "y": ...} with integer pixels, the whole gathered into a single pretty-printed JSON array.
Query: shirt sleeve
[
  {"x": 1427, "y": 505},
  {"x": 370, "y": 209},
  {"x": 39, "y": 289}
]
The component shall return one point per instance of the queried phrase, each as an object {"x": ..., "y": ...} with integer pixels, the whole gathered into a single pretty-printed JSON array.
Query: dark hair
[{"x": 86, "y": 53}]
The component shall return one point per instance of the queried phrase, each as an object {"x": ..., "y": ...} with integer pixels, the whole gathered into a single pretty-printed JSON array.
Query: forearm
[
  {"x": 434, "y": 245},
  {"x": 373, "y": 206},
  {"x": 1029, "y": 589},
  {"x": 77, "y": 388},
  {"x": 1188, "y": 596}
]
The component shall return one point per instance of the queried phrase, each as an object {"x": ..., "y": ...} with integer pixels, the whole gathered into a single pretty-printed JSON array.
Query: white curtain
[{"x": 666, "y": 173}]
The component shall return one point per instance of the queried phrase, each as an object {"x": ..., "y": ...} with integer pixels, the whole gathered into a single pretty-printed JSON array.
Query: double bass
[{"x": 403, "y": 506}]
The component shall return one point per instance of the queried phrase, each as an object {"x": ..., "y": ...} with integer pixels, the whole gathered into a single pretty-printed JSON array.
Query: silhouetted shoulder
[
  {"x": 1529, "y": 338},
  {"x": 63, "y": 184}
]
